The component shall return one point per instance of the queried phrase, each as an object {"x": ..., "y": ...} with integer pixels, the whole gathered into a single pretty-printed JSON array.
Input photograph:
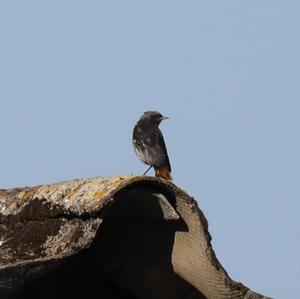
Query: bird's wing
[
  {"x": 150, "y": 148},
  {"x": 160, "y": 150}
]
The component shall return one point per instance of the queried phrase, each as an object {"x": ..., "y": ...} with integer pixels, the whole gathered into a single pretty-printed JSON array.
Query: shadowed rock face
[
  {"x": 108, "y": 238},
  {"x": 138, "y": 250}
]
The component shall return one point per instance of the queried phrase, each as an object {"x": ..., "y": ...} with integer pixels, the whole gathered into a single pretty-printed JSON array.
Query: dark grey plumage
[{"x": 149, "y": 144}]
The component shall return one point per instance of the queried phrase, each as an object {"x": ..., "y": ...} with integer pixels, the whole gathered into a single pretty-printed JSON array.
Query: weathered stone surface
[{"x": 119, "y": 237}]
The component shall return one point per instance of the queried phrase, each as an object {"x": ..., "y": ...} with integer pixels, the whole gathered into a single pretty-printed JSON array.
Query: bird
[{"x": 149, "y": 145}]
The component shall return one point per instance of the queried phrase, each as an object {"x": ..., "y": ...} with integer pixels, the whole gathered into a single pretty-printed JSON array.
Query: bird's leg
[{"x": 147, "y": 170}]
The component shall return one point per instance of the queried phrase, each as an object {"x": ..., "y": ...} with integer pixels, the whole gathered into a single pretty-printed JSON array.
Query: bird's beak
[{"x": 164, "y": 117}]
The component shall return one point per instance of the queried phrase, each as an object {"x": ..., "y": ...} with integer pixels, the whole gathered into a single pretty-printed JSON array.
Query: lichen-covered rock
[{"x": 119, "y": 237}]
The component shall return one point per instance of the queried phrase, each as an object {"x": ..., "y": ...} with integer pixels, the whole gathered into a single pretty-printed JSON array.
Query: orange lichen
[
  {"x": 26, "y": 194},
  {"x": 69, "y": 192}
]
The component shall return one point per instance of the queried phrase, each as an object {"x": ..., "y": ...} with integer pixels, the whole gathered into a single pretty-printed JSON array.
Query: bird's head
[{"x": 153, "y": 117}]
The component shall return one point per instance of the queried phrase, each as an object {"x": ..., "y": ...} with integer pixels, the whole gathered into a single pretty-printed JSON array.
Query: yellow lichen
[{"x": 99, "y": 194}]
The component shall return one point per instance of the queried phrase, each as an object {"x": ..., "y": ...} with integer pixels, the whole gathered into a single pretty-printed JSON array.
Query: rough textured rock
[{"x": 119, "y": 237}]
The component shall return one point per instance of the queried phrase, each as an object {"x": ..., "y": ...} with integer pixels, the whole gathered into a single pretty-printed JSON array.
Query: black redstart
[{"x": 149, "y": 144}]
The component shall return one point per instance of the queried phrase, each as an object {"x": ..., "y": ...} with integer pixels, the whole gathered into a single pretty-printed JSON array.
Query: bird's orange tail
[{"x": 163, "y": 173}]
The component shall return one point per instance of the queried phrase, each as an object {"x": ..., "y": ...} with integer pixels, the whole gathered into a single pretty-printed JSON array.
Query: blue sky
[{"x": 76, "y": 75}]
